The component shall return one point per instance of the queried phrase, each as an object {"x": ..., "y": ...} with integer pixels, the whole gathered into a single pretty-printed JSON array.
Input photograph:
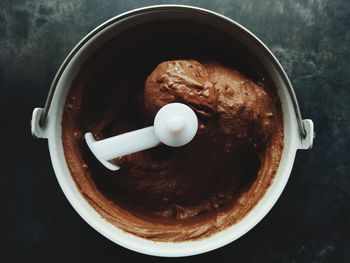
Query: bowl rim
[{"x": 186, "y": 248}]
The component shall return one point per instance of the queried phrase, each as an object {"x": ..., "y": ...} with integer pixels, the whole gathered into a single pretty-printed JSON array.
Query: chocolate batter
[{"x": 165, "y": 193}]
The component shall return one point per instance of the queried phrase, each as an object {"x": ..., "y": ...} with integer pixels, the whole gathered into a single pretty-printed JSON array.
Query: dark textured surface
[{"x": 310, "y": 222}]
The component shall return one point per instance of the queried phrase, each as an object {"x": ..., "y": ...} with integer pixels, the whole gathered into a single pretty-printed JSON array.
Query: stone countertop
[{"x": 311, "y": 220}]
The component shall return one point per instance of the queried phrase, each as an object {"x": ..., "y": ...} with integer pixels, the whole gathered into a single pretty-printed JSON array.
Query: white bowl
[{"x": 46, "y": 123}]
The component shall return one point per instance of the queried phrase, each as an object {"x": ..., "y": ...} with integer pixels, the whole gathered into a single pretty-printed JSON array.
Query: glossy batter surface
[{"x": 175, "y": 194}]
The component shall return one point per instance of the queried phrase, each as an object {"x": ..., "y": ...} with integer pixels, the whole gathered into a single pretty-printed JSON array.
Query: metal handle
[{"x": 97, "y": 30}]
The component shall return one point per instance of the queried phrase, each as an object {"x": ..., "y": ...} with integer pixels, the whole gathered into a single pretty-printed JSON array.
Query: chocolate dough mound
[{"x": 177, "y": 194}]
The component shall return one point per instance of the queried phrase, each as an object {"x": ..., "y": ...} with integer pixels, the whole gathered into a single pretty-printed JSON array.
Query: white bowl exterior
[{"x": 53, "y": 130}]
